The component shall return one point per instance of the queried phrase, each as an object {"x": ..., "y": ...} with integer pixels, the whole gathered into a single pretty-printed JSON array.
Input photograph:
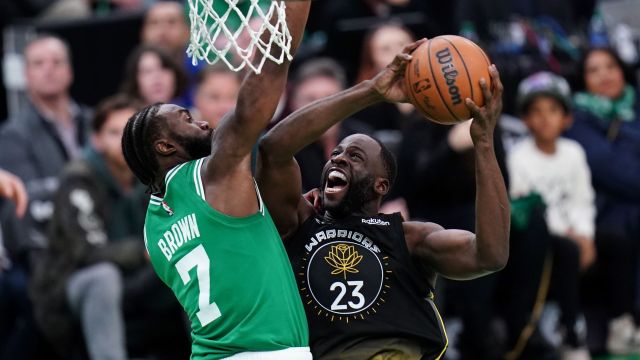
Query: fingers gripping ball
[{"x": 443, "y": 72}]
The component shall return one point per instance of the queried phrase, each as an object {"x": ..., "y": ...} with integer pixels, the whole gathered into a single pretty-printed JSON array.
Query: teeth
[
  {"x": 331, "y": 190},
  {"x": 332, "y": 177},
  {"x": 337, "y": 174}
]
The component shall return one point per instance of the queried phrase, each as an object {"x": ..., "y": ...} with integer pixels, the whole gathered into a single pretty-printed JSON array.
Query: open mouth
[{"x": 336, "y": 182}]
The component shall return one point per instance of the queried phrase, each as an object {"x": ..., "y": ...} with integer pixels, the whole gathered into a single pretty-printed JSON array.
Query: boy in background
[{"x": 556, "y": 169}]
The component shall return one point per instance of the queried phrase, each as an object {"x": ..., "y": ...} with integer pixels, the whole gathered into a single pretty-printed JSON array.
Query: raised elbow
[
  {"x": 264, "y": 144},
  {"x": 495, "y": 262},
  {"x": 272, "y": 152}
]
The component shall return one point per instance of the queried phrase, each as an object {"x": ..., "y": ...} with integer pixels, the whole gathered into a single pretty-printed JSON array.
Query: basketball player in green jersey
[
  {"x": 367, "y": 279},
  {"x": 208, "y": 234}
]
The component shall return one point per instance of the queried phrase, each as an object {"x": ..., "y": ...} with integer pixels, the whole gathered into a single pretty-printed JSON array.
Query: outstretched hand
[
  {"x": 485, "y": 118},
  {"x": 389, "y": 82},
  {"x": 314, "y": 198},
  {"x": 11, "y": 187}
]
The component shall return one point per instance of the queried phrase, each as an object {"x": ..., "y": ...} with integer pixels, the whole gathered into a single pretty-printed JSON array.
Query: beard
[
  {"x": 360, "y": 192},
  {"x": 196, "y": 147}
]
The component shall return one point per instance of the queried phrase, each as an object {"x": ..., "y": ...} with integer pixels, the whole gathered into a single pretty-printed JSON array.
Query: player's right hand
[{"x": 389, "y": 82}]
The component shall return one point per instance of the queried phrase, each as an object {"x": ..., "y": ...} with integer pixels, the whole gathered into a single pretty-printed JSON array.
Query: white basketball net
[{"x": 213, "y": 39}]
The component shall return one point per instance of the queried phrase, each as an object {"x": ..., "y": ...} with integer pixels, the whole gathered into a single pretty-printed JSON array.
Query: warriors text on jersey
[
  {"x": 231, "y": 275},
  {"x": 363, "y": 294}
]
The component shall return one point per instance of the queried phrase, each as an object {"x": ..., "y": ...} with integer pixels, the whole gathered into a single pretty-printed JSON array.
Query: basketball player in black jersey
[{"x": 366, "y": 278}]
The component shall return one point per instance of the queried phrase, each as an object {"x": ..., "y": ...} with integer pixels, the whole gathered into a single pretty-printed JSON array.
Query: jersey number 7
[{"x": 198, "y": 258}]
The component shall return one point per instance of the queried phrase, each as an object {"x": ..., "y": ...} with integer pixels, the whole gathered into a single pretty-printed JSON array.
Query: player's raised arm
[
  {"x": 257, "y": 99},
  {"x": 461, "y": 254},
  {"x": 278, "y": 173}
]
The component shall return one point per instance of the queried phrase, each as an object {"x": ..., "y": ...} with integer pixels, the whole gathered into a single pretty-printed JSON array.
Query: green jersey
[{"x": 231, "y": 275}]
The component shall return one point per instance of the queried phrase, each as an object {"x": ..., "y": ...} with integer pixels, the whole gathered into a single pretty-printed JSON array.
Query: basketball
[{"x": 443, "y": 72}]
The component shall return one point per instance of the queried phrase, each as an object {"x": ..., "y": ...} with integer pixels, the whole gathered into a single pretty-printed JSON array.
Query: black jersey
[{"x": 361, "y": 290}]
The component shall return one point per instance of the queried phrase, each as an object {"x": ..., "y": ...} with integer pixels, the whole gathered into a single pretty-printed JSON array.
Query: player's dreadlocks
[{"x": 137, "y": 146}]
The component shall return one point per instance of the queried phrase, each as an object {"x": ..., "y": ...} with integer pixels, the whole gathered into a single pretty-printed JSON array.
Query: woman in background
[
  {"x": 380, "y": 46},
  {"x": 152, "y": 76},
  {"x": 607, "y": 125}
]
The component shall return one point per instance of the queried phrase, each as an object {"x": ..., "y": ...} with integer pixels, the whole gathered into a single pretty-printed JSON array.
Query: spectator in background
[
  {"x": 165, "y": 26},
  {"x": 552, "y": 166},
  {"x": 96, "y": 256},
  {"x": 216, "y": 93},
  {"x": 347, "y": 23},
  {"x": 152, "y": 76},
  {"x": 41, "y": 140},
  {"x": 314, "y": 80},
  {"x": 380, "y": 46},
  {"x": 557, "y": 170},
  {"x": 607, "y": 125}
]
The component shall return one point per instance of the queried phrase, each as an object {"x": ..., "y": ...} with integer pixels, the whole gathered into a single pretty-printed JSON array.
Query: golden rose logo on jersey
[{"x": 343, "y": 258}]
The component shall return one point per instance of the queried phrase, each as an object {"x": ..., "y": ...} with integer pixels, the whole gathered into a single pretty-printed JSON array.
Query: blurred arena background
[{"x": 549, "y": 303}]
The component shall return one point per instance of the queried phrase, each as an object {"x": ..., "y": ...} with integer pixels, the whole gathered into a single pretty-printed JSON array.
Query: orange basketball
[{"x": 443, "y": 72}]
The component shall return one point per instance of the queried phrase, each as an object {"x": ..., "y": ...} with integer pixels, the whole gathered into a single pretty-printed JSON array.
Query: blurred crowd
[{"x": 74, "y": 279}]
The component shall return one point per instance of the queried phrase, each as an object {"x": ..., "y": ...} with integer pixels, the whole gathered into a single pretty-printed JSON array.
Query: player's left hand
[
  {"x": 485, "y": 118},
  {"x": 389, "y": 82},
  {"x": 313, "y": 197}
]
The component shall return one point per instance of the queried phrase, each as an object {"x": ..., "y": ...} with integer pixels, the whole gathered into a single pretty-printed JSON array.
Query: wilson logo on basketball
[{"x": 450, "y": 73}]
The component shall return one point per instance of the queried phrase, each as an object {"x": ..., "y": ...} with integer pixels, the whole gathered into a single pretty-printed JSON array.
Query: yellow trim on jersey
[{"x": 444, "y": 331}]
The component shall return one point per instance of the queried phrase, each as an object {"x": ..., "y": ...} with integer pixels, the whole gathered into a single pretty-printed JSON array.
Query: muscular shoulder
[{"x": 416, "y": 231}]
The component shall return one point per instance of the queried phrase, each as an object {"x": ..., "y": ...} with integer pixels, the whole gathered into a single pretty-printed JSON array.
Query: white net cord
[{"x": 213, "y": 37}]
